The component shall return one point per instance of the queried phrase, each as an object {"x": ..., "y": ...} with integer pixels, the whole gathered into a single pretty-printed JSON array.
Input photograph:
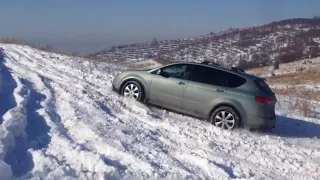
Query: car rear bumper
[{"x": 256, "y": 122}]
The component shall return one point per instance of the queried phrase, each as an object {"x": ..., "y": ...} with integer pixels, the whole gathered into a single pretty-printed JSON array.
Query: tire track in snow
[
  {"x": 224, "y": 150},
  {"x": 13, "y": 135},
  {"x": 62, "y": 132},
  {"x": 112, "y": 138},
  {"x": 28, "y": 74},
  {"x": 49, "y": 70},
  {"x": 97, "y": 125},
  {"x": 164, "y": 134},
  {"x": 7, "y": 86},
  {"x": 165, "y": 151},
  {"x": 73, "y": 130},
  {"x": 36, "y": 80},
  {"x": 65, "y": 74},
  {"x": 36, "y": 131},
  {"x": 20, "y": 123},
  {"x": 275, "y": 150}
]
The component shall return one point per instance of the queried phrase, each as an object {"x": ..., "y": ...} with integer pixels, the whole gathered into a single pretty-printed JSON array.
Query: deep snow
[{"x": 62, "y": 121}]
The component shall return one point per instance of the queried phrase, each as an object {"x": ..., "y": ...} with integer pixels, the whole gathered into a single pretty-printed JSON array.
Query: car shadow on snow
[
  {"x": 295, "y": 128},
  {"x": 285, "y": 127},
  {"x": 36, "y": 138},
  {"x": 7, "y": 86}
]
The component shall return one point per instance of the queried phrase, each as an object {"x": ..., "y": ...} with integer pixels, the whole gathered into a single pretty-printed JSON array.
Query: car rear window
[
  {"x": 263, "y": 85},
  {"x": 235, "y": 81},
  {"x": 209, "y": 75}
]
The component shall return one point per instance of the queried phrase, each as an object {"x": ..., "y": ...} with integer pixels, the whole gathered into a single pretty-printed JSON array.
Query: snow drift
[{"x": 60, "y": 120}]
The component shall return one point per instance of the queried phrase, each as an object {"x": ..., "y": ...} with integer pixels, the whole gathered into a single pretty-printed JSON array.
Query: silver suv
[{"x": 228, "y": 98}]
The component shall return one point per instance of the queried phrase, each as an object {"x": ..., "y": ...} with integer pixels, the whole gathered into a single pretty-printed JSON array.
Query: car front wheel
[{"x": 133, "y": 90}]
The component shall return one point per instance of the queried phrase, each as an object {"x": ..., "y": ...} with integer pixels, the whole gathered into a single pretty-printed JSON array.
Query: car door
[
  {"x": 168, "y": 86},
  {"x": 206, "y": 88}
]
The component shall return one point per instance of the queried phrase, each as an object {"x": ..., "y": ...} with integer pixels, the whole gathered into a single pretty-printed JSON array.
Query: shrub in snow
[{"x": 276, "y": 65}]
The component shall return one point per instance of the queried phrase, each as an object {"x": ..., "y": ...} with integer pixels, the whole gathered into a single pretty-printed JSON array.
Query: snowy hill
[
  {"x": 59, "y": 119},
  {"x": 286, "y": 40}
]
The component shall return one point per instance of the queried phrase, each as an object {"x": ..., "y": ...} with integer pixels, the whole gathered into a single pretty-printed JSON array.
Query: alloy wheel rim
[
  {"x": 224, "y": 120},
  {"x": 131, "y": 90}
]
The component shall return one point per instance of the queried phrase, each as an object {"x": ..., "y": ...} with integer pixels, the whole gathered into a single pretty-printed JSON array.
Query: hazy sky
[{"x": 92, "y": 25}]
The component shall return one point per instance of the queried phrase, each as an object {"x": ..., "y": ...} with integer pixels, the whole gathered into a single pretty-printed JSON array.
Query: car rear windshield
[{"x": 263, "y": 86}]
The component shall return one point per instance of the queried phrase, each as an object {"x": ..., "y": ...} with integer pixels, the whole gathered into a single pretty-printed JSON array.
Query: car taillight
[{"x": 264, "y": 100}]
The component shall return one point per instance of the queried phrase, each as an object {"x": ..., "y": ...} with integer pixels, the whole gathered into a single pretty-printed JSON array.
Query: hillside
[
  {"x": 286, "y": 41},
  {"x": 60, "y": 120},
  {"x": 299, "y": 79}
]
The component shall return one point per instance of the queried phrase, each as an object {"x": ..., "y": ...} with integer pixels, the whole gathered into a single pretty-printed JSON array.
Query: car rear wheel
[
  {"x": 132, "y": 89},
  {"x": 225, "y": 118}
]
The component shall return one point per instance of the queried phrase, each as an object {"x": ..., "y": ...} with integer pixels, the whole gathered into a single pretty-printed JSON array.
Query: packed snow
[{"x": 59, "y": 119}]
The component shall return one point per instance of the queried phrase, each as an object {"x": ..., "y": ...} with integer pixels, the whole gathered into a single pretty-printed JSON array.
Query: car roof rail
[
  {"x": 210, "y": 63},
  {"x": 237, "y": 69}
]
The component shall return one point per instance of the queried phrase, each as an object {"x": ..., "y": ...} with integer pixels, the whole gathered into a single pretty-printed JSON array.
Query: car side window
[
  {"x": 235, "y": 81},
  {"x": 180, "y": 71},
  {"x": 209, "y": 76}
]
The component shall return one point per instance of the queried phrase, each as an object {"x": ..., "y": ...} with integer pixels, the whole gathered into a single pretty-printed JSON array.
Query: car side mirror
[{"x": 159, "y": 72}]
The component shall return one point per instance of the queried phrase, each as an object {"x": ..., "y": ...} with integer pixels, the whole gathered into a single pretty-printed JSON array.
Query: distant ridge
[{"x": 284, "y": 41}]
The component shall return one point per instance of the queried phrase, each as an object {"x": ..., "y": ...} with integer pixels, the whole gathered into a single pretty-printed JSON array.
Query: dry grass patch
[
  {"x": 260, "y": 70},
  {"x": 306, "y": 104},
  {"x": 299, "y": 85},
  {"x": 312, "y": 95},
  {"x": 47, "y": 47},
  {"x": 311, "y": 76}
]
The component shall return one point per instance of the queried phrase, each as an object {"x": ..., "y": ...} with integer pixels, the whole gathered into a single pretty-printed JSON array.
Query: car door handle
[
  {"x": 181, "y": 83},
  {"x": 219, "y": 90}
]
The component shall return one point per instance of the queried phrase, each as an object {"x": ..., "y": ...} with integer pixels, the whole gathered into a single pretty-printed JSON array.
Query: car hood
[{"x": 132, "y": 70}]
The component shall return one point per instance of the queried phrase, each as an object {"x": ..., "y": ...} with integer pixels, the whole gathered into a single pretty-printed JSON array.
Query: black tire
[
  {"x": 226, "y": 122},
  {"x": 135, "y": 84}
]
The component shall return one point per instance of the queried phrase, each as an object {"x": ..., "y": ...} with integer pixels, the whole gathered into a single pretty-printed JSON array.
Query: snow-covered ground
[{"x": 60, "y": 120}]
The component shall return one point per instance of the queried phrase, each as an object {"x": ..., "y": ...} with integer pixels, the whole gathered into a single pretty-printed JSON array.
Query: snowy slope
[{"x": 60, "y": 120}]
